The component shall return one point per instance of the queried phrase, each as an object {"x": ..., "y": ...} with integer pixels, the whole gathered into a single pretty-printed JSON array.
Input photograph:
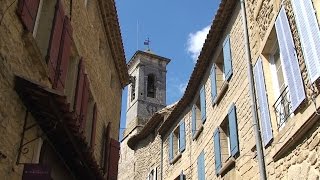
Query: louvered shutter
[
  {"x": 182, "y": 136},
  {"x": 79, "y": 89},
  {"x": 308, "y": 29},
  {"x": 55, "y": 41},
  {"x": 113, "y": 159},
  {"x": 171, "y": 146},
  {"x": 263, "y": 103},
  {"x": 227, "y": 59},
  {"x": 181, "y": 176},
  {"x": 217, "y": 150},
  {"x": 213, "y": 83},
  {"x": 27, "y": 11},
  {"x": 201, "y": 168},
  {"x": 107, "y": 148},
  {"x": 203, "y": 103},
  {"x": 233, "y": 129},
  {"x": 94, "y": 124},
  {"x": 64, "y": 54},
  {"x": 84, "y": 103},
  {"x": 194, "y": 126},
  {"x": 289, "y": 60}
]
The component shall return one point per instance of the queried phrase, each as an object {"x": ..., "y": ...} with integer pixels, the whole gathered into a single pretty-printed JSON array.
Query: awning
[{"x": 51, "y": 111}]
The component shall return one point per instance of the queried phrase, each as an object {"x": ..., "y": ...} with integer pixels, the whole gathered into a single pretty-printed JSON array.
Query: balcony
[{"x": 283, "y": 108}]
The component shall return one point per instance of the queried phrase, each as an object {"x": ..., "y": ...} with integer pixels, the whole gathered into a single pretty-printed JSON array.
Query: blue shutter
[
  {"x": 182, "y": 136},
  {"x": 203, "y": 103},
  {"x": 213, "y": 83},
  {"x": 308, "y": 29},
  {"x": 194, "y": 126},
  {"x": 171, "y": 146},
  {"x": 217, "y": 150},
  {"x": 201, "y": 170},
  {"x": 263, "y": 103},
  {"x": 181, "y": 177},
  {"x": 227, "y": 59},
  {"x": 289, "y": 60},
  {"x": 233, "y": 130}
]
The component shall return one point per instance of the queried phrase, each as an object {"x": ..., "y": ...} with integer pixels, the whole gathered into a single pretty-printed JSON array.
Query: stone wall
[{"x": 17, "y": 56}]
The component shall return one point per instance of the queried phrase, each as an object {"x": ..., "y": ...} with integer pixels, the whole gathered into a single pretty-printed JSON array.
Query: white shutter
[
  {"x": 289, "y": 60},
  {"x": 155, "y": 173},
  {"x": 309, "y": 33},
  {"x": 263, "y": 103}
]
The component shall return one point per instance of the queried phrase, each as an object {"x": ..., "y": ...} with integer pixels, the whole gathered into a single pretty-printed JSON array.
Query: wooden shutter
[
  {"x": 213, "y": 83},
  {"x": 308, "y": 29},
  {"x": 55, "y": 41},
  {"x": 233, "y": 129},
  {"x": 113, "y": 159},
  {"x": 107, "y": 148},
  {"x": 203, "y": 103},
  {"x": 27, "y": 11},
  {"x": 217, "y": 150},
  {"x": 227, "y": 59},
  {"x": 64, "y": 54},
  {"x": 201, "y": 169},
  {"x": 84, "y": 103},
  {"x": 171, "y": 146},
  {"x": 79, "y": 88},
  {"x": 263, "y": 103},
  {"x": 289, "y": 60},
  {"x": 182, "y": 136},
  {"x": 194, "y": 120},
  {"x": 94, "y": 124}
]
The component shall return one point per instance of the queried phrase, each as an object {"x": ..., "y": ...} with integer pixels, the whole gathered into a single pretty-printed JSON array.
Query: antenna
[{"x": 147, "y": 43}]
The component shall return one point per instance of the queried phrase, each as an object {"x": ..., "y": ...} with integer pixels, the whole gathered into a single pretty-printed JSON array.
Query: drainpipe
[
  {"x": 260, "y": 154},
  {"x": 161, "y": 158}
]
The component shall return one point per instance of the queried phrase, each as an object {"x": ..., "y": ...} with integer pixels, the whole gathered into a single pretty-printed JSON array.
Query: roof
[
  {"x": 113, "y": 33},
  {"x": 218, "y": 26},
  {"x": 147, "y": 53},
  {"x": 153, "y": 122}
]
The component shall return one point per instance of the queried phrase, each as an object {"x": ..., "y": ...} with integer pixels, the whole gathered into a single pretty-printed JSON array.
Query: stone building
[
  {"x": 251, "y": 108},
  {"x": 62, "y": 71}
]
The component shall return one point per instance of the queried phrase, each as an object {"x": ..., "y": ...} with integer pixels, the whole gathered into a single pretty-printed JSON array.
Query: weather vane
[{"x": 147, "y": 43}]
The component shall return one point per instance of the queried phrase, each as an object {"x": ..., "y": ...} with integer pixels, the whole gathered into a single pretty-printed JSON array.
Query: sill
[
  {"x": 227, "y": 166},
  {"x": 176, "y": 158},
  {"x": 222, "y": 92},
  {"x": 196, "y": 135},
  {"x": 34, "y": 52}
]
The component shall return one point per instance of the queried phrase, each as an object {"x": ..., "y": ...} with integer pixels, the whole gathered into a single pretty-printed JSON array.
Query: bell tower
[{"x": 147, "y": 90}]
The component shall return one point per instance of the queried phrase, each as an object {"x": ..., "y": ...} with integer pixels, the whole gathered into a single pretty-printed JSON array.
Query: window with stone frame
[
  {"x": 152, "y": 175},
  {"x": 151, "y": 86},
  {"x": 199, "y": 113},
  {"x": 71, "y": 80},
  {"x": 177, "y": 142}
]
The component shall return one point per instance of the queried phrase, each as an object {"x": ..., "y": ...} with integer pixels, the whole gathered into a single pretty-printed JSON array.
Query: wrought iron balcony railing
[{"x": 283, "y": 108}]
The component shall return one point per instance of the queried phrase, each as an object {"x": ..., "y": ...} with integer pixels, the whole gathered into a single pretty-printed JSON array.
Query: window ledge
[
  {"x": 227, "y": 166},
  {"x": 176, "y": 158},
  {"x": 196, "y": 135},
  {"x": 34, "y": 52},
  {"x": 222, "y": 92}
]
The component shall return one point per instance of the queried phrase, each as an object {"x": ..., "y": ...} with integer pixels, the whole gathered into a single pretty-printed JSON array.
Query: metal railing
[{"x": 283, "y": 108}]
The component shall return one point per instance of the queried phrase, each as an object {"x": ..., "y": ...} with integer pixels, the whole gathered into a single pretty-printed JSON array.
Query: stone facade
[
  {"x": 21, "y": 54},
  {"x": 293, "y": 151}
]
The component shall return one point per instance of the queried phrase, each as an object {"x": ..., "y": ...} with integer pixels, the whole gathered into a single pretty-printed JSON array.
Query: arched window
[
  {"x": 151, "y": 88},
  {"x": 133, "y": 88}
]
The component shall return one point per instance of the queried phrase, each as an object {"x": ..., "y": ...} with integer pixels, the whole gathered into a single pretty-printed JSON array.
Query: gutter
[{"x": 260, "y": 154}]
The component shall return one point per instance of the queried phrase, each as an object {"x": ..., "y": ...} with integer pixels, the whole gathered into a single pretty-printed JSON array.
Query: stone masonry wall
[{"x": 18, "y": 57}]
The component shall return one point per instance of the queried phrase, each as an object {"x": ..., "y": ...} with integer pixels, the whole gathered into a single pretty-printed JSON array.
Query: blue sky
[{"x": 177, "y": 30}]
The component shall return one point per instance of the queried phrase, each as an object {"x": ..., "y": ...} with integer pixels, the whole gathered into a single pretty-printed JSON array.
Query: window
[
  {"x": 288, "y": 88},
  {"x": 151, "y": 89},
  {"x": 71, "y": 80},
  {"x": 90, "y": 123},
  {"x": 226, "y": 143},
  {"x": 201, "y": 166},
  {"x": 181, "y": 176},
  {"x": 177, "y": 142},
  {"x": 152, "y": 174},
  {"x": 221, "y": 72},
  {"x": 133, "y": 88},
  {"x": 199, "y": 113}
]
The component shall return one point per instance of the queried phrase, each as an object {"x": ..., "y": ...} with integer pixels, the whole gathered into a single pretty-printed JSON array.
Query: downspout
[
  {"x": 161, "y": 158},
  {"x": 260, "y": 154}
]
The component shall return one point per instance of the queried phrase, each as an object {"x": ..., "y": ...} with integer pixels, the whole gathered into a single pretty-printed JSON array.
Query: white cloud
[
  {"x": 182, "y": 87},
  {"x": 196, "y": 41}
]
